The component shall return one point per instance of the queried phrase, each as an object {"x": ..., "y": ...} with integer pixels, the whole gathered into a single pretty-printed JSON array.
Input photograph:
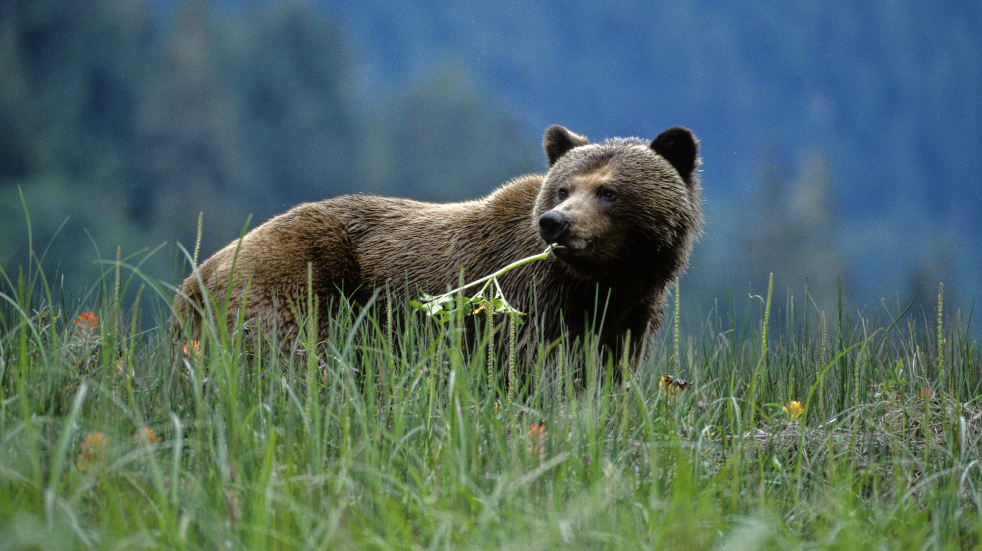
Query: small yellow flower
[
  {"x": 668, "y": 385},
  {"x": 793, "y": 409},
  {"x": 666, "y": 388}
]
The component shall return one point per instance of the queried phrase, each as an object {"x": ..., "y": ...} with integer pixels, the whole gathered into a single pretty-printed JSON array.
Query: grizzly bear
[{"x": 623, "y": 215}]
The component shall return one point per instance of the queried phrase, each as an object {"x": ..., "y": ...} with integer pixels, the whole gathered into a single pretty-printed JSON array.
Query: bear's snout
[{"x": 553, "y": 226}]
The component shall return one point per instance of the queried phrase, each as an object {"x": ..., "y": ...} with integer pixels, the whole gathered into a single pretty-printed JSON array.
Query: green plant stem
[{"x": 541, "y": 256}]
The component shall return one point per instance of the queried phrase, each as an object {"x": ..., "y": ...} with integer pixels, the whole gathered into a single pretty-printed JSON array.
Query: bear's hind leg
[
  {"x": 265, "y": 277},
  {"x": 307, "y": 248}
]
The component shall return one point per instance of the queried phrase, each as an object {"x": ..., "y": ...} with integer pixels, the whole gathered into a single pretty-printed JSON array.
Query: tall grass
[{"x": 113, "y": 437}]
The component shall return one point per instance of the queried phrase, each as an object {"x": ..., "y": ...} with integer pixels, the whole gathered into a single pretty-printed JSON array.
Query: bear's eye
[
  {"x": 562, "y": 194},
  {"x": 608, "y": 195}
]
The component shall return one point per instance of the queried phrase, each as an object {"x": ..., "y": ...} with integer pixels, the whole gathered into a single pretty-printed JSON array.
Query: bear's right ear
[
  {"x": 680, "y": 148},
  {"x": 558, "y": 141}
]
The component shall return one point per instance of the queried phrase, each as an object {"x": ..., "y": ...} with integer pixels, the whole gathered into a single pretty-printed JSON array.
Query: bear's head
[{"x": 621, "y": 209}]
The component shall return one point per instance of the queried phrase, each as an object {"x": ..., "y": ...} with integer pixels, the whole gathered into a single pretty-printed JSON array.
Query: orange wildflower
[
  {"x": 87, "y": 320},
  {"x": 152, "y": 437},
  {"x": 191, "y": 349},
  {"x": 537, "y": 437},
  {"x": 93, "y": 451},
  {"x": 87, "y": 323}
]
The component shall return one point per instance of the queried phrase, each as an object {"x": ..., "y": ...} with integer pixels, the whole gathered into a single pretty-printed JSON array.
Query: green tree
[
  {"x": 446, "y": 141},
  {"x": 70, "y": 81},
  {"x": 796, "y": 235},
  {"x": 292, "y": 74}
]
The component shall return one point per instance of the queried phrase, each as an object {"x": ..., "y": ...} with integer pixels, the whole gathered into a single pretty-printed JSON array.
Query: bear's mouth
[
  {"x": 570, "y": 243},
  {"x": 570, "y": 249},
  {"x": 577, "y": 258}
]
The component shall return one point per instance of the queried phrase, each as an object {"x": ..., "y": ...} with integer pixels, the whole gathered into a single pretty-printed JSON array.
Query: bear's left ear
[
  {"x": 558, "y": 141},
  {"x": 680, "y": 148}
]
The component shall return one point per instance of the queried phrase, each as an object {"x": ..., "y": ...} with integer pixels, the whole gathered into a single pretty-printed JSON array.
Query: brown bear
[{"x": 623, "y": 215}]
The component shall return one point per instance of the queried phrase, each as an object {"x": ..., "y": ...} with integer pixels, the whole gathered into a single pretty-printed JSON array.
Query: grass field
[{"x": 793, "y": 429}]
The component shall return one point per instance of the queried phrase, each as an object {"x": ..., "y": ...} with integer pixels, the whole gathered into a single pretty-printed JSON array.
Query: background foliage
[{"x": 840, "y": 141}]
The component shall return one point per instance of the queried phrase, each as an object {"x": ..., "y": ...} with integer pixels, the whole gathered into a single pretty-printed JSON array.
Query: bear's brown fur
[{"x": 623, "y": 214}]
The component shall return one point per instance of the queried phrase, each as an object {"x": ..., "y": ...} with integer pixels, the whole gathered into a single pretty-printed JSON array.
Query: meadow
[{"x": 781, "y": 427}]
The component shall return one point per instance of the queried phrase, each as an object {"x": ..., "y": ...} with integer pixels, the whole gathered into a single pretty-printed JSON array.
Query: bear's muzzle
[{"x": 553, "y": 226}]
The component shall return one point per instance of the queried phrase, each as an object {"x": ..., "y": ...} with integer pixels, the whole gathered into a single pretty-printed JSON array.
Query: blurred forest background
[{"x": 840, "y": 139}]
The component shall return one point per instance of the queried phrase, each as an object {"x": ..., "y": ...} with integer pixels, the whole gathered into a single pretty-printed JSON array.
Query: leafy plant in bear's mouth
[
  {"x": 443, "y": 307},
  {"x": 489, "y": 301}
]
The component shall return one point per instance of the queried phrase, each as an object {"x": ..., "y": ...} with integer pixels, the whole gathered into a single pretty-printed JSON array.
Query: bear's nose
[{"x": 553, "y": 226}]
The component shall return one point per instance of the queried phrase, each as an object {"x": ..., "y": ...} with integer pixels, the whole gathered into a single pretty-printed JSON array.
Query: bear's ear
[
  {"x": 680, "y": 148},
  {"x": 558, "y": 141}
]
